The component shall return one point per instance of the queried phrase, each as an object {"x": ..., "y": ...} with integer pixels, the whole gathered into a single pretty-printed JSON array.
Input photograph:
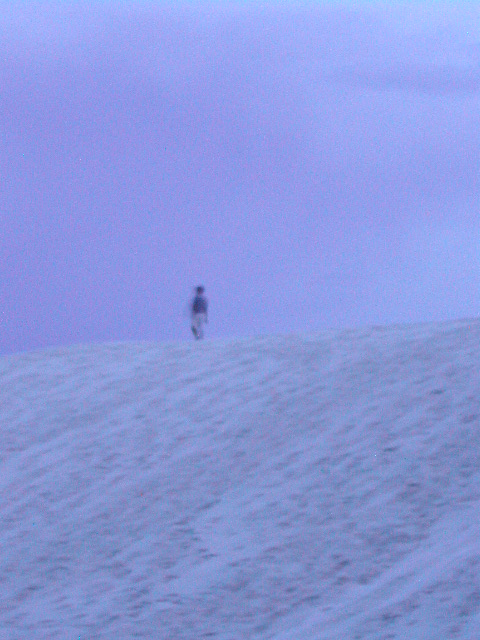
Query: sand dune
[{"x": 314, "y": 487}]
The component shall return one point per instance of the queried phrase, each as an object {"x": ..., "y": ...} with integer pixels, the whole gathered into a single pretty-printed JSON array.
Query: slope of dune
[{"x": 312, "y": 487}]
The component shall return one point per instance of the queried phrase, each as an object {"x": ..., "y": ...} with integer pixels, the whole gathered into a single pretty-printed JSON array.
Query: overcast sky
[{"x": 313, "y": 164}]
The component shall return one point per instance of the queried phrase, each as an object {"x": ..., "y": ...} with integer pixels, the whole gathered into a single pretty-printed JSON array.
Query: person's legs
[{"x": 197, "y": 325}]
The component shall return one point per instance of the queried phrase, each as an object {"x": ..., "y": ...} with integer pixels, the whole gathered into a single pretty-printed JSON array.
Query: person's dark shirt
[{"x": 199, "y": 305}]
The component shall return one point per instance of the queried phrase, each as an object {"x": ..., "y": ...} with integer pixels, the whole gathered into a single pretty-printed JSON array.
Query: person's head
[{"x": 200, "y": 290}]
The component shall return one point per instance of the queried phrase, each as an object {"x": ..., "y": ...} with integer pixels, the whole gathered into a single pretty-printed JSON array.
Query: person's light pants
[{"x": 198, "y": 320}]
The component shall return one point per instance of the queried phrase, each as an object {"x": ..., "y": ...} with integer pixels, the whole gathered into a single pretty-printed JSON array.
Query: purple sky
[{"x": 313, "y": 164}]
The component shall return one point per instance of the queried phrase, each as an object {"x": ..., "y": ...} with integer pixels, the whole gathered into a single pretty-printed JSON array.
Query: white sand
[{"x": 306, "y": 487}]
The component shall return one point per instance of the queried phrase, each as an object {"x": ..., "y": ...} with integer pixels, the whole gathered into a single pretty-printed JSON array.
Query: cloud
[
  {"x": 429, "y": 79},
  {"x": 174, "y": 43}
]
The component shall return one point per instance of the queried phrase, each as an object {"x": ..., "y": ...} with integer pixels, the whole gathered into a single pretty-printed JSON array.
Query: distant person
[{"x": 199, "y": 312}]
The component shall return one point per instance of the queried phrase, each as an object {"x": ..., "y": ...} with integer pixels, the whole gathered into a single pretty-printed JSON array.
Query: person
[{"x": 199, "y": 312}]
